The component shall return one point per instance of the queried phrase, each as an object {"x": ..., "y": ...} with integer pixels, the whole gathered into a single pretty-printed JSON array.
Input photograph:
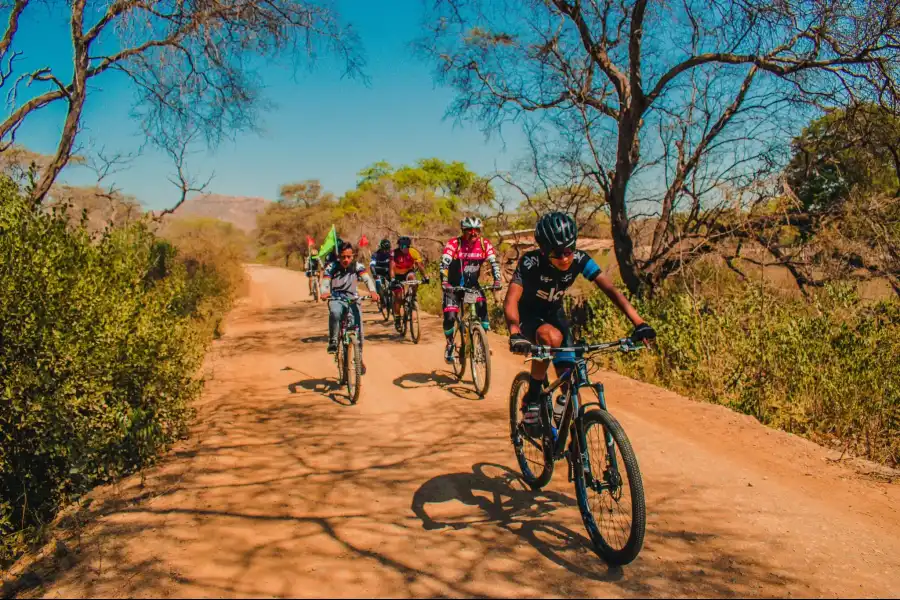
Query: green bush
[
  {"x": 826, "y": 370},
  {"x": 99, "y": 346}
]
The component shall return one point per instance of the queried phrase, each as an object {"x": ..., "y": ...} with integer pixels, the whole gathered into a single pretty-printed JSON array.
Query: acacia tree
[
  {"x": 665, "y": 104},
  {"x": 188, "y": 62}
]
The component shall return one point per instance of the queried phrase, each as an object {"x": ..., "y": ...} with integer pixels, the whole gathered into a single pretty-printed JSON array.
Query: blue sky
[{"x": 323, "y": 126}]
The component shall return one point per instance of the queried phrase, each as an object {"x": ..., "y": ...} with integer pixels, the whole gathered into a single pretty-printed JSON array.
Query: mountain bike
[
  {"x": 409, "y": 310},
  {"x": 600, "y": 459},
  {"x": 348, "y": 357},
  {"x": 385, "y": 302},
  {"x": 470, "y": 339}
]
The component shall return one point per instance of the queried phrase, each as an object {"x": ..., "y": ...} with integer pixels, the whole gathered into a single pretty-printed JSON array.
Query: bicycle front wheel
[
  {"x": 481, "y": 360},
  {"x": 339, "y": 361},
  {"x": 459, "y": 352},
  {"x": 414, "y": 331},
  {"x": 610, "y": 490},
  {"x": 384, "y": 305},
  {"x": 353, "y": 368},
  {"x": 535, "y": 455}
]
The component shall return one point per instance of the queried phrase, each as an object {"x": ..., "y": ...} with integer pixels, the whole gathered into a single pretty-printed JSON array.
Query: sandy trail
[{"x": 285, "y": 490}]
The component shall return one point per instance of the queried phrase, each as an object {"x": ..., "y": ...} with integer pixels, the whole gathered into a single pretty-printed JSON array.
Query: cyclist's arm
[
  {"x": 370, "y": 283},
  {"x": 618, "y": 298},
  {"x": 511, "y": 307},
  {"x": 391, "y": 269},
  {"x": 492, "y": 259}
]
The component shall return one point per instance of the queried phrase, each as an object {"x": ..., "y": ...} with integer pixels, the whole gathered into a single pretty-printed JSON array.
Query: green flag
[{"x": 329, "y": 244}]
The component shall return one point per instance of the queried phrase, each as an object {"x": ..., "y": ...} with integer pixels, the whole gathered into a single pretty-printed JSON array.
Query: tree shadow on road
[{"x": 442, "y": 379}]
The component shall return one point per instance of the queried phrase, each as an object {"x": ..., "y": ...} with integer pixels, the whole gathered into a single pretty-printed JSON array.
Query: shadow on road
[
  {"x": 327, "y": 386},
  {"x": 441, "y": 379},
  {"x": 507, "y": 502}
]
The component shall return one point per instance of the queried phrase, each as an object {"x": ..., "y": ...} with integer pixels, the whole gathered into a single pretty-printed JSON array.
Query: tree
[
  {"x": 304, "y": 193},
  {"x": 665, "y": 105},
  {"x": 284, "y": 226},
  {"x": 846, "y": 149},
  {"x": 187, "y": 61}
]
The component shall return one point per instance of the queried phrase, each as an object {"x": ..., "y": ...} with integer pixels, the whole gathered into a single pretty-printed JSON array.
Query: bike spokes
[{"x": 610, "y": 491}]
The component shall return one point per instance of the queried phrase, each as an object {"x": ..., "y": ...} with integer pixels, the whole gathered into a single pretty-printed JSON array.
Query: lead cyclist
[{"x": 533, "y": 306}]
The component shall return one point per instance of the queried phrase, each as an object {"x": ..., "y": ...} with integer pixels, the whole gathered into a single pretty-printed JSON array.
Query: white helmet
[{"x": 470, "y": 223}]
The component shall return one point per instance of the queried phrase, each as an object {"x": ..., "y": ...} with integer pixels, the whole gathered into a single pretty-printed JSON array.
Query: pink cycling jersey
[{"x": 461, "y": 261}]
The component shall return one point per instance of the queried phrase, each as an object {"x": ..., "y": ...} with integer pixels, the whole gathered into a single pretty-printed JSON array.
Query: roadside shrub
[
  {"x": 825, "y": 369},
  {"x": 99, "y": 345}
]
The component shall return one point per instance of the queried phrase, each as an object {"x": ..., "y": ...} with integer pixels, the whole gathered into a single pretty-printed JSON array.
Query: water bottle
[{"x": 558, "y": 408}]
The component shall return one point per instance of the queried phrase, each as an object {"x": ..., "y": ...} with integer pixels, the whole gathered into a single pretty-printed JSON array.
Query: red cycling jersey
[{"x": 461, "y": 260}]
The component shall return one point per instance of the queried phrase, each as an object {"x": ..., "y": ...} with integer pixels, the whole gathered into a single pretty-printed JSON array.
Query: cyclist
[
  {"x": 533, "y": 305},
  {"x": 380, "y": 265},
  {"x": 313, "y": 267},
  {"x": 461, "y": 267},
  {"x": 341, "y": 280},
  {"x": 404, "y": 259}
]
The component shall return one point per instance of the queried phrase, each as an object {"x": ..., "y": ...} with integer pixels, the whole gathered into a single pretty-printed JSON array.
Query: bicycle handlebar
[
  {"x": 349, "y": 299},
  {"x": 538, "y": 352}
]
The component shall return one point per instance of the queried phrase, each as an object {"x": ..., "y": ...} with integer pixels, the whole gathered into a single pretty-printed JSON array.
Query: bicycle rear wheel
[
  {"x": 353, "y": 367},
  {"x": 413, "y": 311},
  {"x": 535, "y": 456},
  {"x": 481, "y": 360},
  {"x": 610, "y": 491}
]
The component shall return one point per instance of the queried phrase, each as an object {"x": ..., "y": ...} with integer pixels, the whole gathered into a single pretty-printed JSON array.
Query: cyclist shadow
[
  {"x": 315, "y": 339},
  {"x": 444, "y": 380},
  {"x": 507, "y": 502},
  {"x": 327, "y": 386}
]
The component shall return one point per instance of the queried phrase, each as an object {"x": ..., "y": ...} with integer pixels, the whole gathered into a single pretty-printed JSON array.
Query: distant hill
[{"x": 240, "y": 211}]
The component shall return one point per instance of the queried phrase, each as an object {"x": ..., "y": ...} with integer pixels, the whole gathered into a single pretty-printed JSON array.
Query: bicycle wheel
[
  {"x": 413, "y": 311},
  {"x": 459, "y": 352},
  {"x": 384, "y": 305},
  {"x": 353, "y": 367},
  {"x": 339, "y": 360},
  {"x": 481, "y": 360},
  {"x": 535, "y": 456},
  {"x": 610, "y": 492}
]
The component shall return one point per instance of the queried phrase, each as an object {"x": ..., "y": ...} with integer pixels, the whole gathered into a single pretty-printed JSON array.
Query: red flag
[
  {"x": 310, "y": 242},
  {"x": 363, "y": 241}
]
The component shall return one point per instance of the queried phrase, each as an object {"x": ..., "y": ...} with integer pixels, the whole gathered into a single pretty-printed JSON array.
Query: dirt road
[{"x": 285, "y": 490}]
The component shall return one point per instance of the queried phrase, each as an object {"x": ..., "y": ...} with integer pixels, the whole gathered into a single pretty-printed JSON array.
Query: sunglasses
[
  {"x": 563, "y": 253},
  {"x": 471, "y": 230}
]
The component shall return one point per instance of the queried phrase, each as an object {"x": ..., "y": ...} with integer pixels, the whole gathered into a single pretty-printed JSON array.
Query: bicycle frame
[{"x": 577, "y": 377}]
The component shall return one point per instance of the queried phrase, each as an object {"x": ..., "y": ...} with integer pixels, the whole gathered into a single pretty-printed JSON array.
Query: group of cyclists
[{"x": 532, "y": 307}]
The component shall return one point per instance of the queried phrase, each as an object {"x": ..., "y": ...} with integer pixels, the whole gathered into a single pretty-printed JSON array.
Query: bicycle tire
[
  {"x": 384, "y": 306},
  {"x": 459, "y": 354},
  {"x": 414, "y": 331},
  {"x": 353, "y": 368},
  {"x": 339, "y": 360},
  {"x": 479, "y": 338},
  {"x": 520, "y": 440},
  {"x": 630, "y": 549}
]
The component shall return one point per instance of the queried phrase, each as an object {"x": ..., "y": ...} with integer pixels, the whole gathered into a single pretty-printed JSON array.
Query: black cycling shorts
[{"x": 532, "y": 320}]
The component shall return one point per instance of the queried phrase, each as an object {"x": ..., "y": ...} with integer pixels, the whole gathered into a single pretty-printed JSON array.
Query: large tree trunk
[{"x": 628, "y": 154}]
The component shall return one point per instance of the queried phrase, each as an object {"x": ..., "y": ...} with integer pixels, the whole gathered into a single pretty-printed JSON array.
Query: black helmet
[
  {"x": 384, "y": 244},
  {"x": 555, "y": 231},
  {"x": 404, "y": 242}
]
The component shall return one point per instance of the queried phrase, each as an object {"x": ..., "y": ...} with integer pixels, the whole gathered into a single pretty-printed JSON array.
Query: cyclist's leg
[
  {"x": 397, "y": 290},
  {"x": 335, "y": 313},
  {"x": 450, "y": 304},
  {"x": 481, "y": 310}
]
